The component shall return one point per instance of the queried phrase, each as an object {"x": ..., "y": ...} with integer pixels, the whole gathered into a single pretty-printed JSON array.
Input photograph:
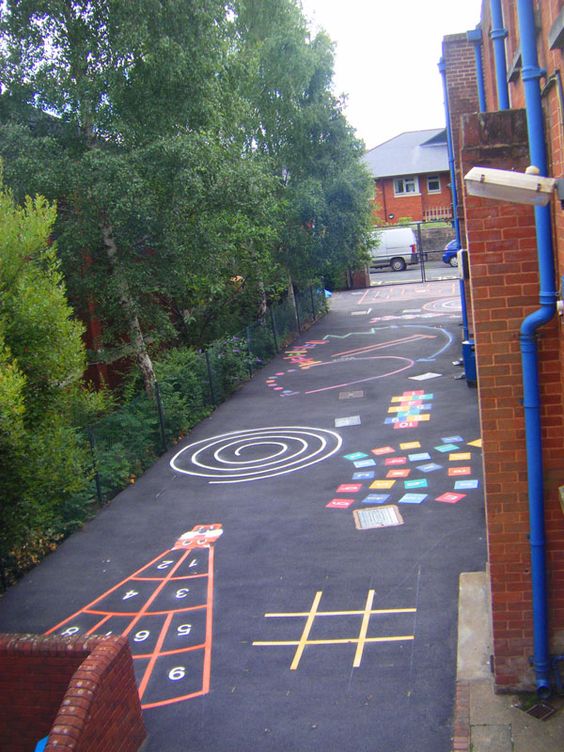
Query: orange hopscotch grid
[{"x": 201, "y": 537}]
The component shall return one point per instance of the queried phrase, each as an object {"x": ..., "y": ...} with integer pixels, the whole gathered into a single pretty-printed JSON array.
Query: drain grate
[
  {"x": 387, "y": 516},
  {"x": 541, "y": 710}
]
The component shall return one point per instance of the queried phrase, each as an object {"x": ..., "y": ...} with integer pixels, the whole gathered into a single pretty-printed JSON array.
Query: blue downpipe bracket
[{"x": 531, "y": 74}]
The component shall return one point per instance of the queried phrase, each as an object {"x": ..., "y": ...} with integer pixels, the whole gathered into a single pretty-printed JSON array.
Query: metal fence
[
  {"x": 426, "y": 265},
  {"x": 127, "y": 441}
]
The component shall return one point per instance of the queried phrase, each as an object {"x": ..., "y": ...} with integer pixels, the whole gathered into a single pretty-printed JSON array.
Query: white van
[{"x": 394, "y": 247}]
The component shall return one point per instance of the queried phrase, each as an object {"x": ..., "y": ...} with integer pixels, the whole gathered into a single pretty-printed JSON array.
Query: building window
[
  {"x": 433, "y": 184},
  {"x": 406, "y": 185}
]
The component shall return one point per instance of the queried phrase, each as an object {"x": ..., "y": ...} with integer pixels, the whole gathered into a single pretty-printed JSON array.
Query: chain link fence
[{"x": 189, "y": 386}]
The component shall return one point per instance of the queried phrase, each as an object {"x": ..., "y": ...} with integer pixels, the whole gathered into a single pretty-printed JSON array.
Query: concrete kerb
[{"x": 483, "y": 720}]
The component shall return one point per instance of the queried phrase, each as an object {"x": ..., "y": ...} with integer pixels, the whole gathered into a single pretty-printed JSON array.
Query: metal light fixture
[{"x": 527, "y": 187}]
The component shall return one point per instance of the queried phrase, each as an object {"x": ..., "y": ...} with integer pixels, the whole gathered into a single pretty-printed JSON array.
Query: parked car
[
  {"x": 395, "y": 247},
  {"x": 450, "y": 251}
]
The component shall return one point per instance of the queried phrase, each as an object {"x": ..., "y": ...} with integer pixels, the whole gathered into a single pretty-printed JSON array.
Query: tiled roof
[{"x": 411, "y": 153}]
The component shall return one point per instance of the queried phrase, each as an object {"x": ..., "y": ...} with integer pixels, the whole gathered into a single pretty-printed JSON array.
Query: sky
[{"x": 387, "y": 53}]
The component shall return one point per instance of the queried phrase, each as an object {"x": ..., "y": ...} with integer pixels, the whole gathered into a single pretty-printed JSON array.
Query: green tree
[
  {"x": 139, "y": 142},
  {"x": 42, "y": 360},
  {"x": 299, "y": 124}
]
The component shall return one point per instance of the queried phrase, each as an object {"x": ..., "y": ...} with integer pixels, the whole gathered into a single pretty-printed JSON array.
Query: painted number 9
[
  {"x": 179, "y": 672},
  {"x": 141, "y": 635}
]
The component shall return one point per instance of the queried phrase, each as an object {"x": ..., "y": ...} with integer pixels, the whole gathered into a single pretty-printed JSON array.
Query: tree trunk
[{"x": 135, "y": 333}]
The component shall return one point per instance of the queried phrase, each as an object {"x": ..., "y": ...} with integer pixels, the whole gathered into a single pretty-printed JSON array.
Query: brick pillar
[
  {"x": 462, "y": 88},
  {"x": 504, "y": 281}
]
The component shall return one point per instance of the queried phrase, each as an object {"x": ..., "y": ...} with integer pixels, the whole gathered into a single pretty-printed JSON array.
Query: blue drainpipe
[
  {"x": 475, "y": 36},
  {"x": 498, "y": 34},
  {"x": 456, "y": 221},
  {"x": 531, "y": 73}
]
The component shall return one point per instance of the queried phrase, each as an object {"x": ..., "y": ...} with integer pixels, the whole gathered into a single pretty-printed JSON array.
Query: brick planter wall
[{"x": 79, "y": 691}]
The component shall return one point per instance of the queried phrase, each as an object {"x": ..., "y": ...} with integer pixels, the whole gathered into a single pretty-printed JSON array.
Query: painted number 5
[{"x": 179, "y": 672}]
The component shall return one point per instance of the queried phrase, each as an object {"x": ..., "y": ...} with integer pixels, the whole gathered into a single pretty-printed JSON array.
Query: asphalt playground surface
[{"x": 290, "y": 626}]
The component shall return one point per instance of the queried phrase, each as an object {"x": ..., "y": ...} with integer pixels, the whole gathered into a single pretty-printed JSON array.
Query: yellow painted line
[
  {"x": 307, "y": 629},
  {"x": 363, "y": 629},
  {"x": 345, "y": 613},
  {"x": 342, "y": 641}
]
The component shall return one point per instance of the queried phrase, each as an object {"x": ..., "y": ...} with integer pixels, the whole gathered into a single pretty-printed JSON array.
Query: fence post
[
  {"x": 299, "y": 323},
  {"x": 210, "y": 379},
  {"x": 161, "y": 417},
  {"x": 421, "y": 253},
  {"x": 273, "y": 325},
  {"x": 312, "y": 302},
  {"x": 249, "y": 351},
  {"x": 92, "y": 442}
]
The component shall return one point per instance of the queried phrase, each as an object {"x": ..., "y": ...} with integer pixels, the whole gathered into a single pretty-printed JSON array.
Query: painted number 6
[{"x": 179, "y": 672}]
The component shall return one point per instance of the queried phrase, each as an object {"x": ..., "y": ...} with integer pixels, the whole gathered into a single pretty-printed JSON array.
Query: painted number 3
[{"x": 179, "y": 672}]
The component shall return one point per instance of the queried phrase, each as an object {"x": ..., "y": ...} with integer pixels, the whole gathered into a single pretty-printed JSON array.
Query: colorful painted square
[
  {"x": 461, "y": 485},
  {"x": 382, "y": 484},
  {"x": 395, "y": 461},
  {"x": 454, "y": 471},
  {"x": 365, "y": 475},
  {"x": 355, "y": 456},
  {"x": 429, "y": 467},
  {"x": 416, "y": 483},
  {"x": 364, "y": 463},
  {"x": 383, "y": 450},
  {"x": 410, "y": 445},
  {"x": 349, "y": 488},
  {"x": 411, "y": 498},
  {"x": 398, "y": 473},
  {"x": 446, "y": 448},
  {"x": 340, "y": 503},
  {"x": 376, "y": 498},
  {"x": 451, "y": 439},
  {"x": 450, "y": 498},
  {"x": 457, "y": 456},
  {"x": 419, "y": 456}
]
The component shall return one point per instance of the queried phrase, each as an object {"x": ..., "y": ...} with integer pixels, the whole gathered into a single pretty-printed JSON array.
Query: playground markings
[
  {"x": 360, "y": 641},
  {"x": 166, "y": 610}
]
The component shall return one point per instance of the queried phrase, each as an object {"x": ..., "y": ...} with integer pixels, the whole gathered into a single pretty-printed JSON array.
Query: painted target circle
[{"x": 256, "y": 453}]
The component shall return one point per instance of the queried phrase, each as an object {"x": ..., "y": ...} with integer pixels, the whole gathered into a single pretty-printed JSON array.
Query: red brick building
[
  {"x": 504, "y": 289},
  {"x": 411, "y": 177}
]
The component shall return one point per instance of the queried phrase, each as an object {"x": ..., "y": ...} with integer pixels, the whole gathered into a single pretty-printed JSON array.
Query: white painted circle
[{"x": 281, "y": 450}]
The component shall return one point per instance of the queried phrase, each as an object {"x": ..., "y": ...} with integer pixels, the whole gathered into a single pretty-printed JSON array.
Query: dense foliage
[{"x": 202, "y": 168}]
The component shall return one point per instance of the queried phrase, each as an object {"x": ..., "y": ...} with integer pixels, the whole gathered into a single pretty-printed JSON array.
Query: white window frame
[
  {"x": 434, "y": 178},
  {"x": 408, "y": 186}
]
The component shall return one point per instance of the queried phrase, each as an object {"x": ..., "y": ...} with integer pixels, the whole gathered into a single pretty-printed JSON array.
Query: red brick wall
[
  {"x": 410, "y": 205},
  {"x": 79, "y": 691},
  {"x": 504, "y": 279}
]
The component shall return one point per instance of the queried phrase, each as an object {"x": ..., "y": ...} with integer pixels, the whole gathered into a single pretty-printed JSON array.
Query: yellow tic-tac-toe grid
[{"x": 314, "y": 613}]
